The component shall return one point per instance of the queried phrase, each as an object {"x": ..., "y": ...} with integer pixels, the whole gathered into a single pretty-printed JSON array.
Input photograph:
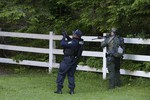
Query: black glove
[{"x": 64, "y": 34}]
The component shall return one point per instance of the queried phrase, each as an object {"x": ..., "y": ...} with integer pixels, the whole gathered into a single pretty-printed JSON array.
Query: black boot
[
  {"x": 58, "y": 92},
  {"x": 71, "y": 92}
]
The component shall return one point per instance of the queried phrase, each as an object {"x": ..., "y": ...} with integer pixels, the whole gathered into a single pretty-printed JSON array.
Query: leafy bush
[
  {"x": 146, "y": 66},
  {"x": 135, "y": 65},
  {"x": 94, "y": 62}
]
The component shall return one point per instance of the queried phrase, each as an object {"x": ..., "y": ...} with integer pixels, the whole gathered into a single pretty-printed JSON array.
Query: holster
[{"x": 108, "y": 55}]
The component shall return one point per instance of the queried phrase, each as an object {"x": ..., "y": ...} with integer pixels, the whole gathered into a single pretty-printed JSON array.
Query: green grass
[{"x": 89, "y": 86}]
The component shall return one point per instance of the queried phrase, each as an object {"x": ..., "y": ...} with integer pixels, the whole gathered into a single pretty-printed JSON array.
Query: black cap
[{"x": 78, "y": 33}]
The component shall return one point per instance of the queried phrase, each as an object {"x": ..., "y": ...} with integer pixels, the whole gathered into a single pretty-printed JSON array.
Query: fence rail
[{"x": 52, "y": 51}]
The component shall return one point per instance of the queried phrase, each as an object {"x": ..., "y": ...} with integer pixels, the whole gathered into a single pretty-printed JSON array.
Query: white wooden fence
[{"x": 52, "y": 51}]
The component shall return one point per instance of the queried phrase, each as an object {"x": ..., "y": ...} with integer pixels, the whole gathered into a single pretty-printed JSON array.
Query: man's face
[
  {"x": 74, "y": 36},
  {"x": 112, "y": 33}
]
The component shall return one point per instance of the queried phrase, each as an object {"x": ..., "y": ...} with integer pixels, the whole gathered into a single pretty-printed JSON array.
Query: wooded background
[{"x": 92, "y": 17}]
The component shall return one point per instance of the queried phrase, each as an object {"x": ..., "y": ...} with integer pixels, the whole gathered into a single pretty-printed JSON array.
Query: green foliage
[
  {"x": 94, "y": 62},
  {"x": 92, "y": 16},
  {"x": 134, "y": 65},
  {"x": 146, "y": 66},
  {"x": 130, "y": 65},
  {"x": 81, "y": 63},
  {"x": 18, "y": 58},
  {"x": 20, "y": 70},
  {"x": 29, "y": 56}
]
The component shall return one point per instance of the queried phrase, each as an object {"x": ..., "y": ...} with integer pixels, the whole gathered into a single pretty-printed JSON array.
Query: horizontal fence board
[
  {"x": 136, "y": 57},
  {"x": 80, "y": 67},
  {"x": 57, "y": 37},
  {"x": 56, "y": 65},
  {"x": 24, "y": 35},
  {"x": 92, "y": 39},
  {"x": 85, "y": 53},
  {"x": 25, "y": 49},
  {"x": 92, "y": 54},
  {"x": 87, "y": 68},
  {"x": 25, "y": 62},
  {"x": 135, "y": 73},
  {"x": 137, "y": 41},
  {"x": 58, "y": 51},
  {"x": 86, "y": 38}
]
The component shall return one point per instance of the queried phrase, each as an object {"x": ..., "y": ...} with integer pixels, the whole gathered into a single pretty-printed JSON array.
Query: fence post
[
  {"x": 54, "y": 47},
  {"x": 50, "y": 52},
  {"x": 104, "y": 61}
]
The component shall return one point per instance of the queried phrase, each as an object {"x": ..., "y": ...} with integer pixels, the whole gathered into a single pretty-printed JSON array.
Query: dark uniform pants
[
  {"x": 67, "y": 67},
  {"x": 113, "y": 65}
]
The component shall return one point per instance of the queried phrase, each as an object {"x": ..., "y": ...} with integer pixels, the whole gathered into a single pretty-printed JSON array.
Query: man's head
[
  {"x": 113, "y": 31},
  {"x": 77, "y": 33}
]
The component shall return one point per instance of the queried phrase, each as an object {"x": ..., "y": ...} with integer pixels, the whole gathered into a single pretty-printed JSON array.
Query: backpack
[{"x": 118, "y": 46}]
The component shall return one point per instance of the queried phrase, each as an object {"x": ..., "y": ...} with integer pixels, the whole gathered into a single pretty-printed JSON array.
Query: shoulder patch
[
  {"x": 81, "y": 42},
  {"x": 69, "y": 42}
]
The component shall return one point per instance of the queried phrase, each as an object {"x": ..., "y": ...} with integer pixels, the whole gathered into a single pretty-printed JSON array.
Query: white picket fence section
[{"x": 52, "y": 51}]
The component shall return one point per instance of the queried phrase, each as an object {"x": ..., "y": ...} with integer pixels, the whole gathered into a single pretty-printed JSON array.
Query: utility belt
[
  {"x": 70, "y": 56},
  {"x": 109, "y": 55}
]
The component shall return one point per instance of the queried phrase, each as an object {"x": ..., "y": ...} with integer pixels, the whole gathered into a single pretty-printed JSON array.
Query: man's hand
[{"x": 64, "y": 34}]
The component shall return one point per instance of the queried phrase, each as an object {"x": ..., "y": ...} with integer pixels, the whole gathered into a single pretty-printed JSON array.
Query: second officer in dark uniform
[{"x": 72, "y": 49}]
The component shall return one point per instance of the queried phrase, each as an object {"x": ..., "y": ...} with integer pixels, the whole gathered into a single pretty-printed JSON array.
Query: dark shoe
[
  {"x": 110, "y": 88},
  {"x": 58, "y": 92},
  {"x": 118, "y": 85},
  {"x": 71, "y": 92}
]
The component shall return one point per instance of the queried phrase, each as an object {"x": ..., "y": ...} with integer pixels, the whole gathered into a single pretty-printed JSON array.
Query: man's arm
[
  {"x": 68, "y": 44},
  {"x": 68, "y": 38},
  {"x": 122, "y": 43},
  {"x": 104, "y": 43}
]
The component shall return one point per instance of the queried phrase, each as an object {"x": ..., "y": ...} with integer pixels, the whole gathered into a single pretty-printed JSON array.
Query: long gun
[
  {"x": 64, "y": 33},
  {"x": 98, "y": 37},
  {"x": 102, "y": 37}
]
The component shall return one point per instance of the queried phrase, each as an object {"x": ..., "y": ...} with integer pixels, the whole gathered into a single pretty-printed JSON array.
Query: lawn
[{"x": 89, "y": 86}]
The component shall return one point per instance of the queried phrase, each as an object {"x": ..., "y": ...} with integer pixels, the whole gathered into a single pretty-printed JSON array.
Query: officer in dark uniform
[
  {"x": 113, "y": 63},
  {"x": 72, "y": 49}
]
